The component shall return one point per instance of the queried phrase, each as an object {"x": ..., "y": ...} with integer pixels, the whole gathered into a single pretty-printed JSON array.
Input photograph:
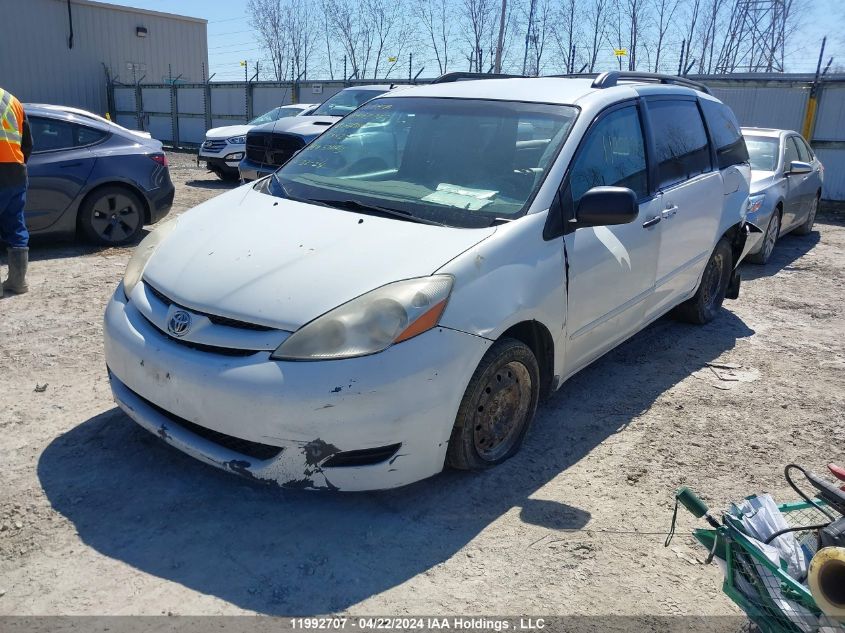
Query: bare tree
[
  {"x": 564, "y": 33},
  {"x": 300, "y": 23},
  {"x": 691, "y": 20},
  {"x": 388, "y": 26},
  {"x": 435, "y": 17},
  {"x": 664, "y": 13},
  {"x": 477, "y": 20},
  {"x": 636, "y": 13},
  {"x": 712, "y": 17},
  {"x": 354, "y": 35},
  {"x": 540, "y": 30},
  {"x": 597, "y": 16},
  {"x": 267, "y": 17}
]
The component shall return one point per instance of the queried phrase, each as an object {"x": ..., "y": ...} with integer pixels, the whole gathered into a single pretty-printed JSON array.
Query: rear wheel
[
  {"x": 769, "y": 240},
  {"x": 807, "y": 227},
  {"x": 112, "y": 215},
  {"x": 705, "y": 303},
  {"x": 497, "y": 407}
]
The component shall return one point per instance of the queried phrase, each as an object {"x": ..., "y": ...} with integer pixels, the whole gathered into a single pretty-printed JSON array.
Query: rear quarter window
[{"x": 725, "y": 132}]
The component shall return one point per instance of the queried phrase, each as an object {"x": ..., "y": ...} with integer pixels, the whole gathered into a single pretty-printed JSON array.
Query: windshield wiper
[{"x": 355, "y": 205}]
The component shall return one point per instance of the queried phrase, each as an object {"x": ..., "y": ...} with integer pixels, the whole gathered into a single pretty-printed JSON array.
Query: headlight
[
  {"x": 237, "y": 140},
  {"x": 755, "y": 203},
  {"x": 372, "y": 322},
  {"x": 141, "y": 255}
]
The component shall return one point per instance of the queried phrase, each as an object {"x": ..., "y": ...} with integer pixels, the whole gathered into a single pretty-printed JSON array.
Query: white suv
[
  {"x": 224, "y": 147},
  {"x": 400, "y": 295}
]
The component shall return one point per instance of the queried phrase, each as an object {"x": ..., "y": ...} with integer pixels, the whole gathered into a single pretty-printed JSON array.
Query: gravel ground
[{"x": 99, "y": 517}]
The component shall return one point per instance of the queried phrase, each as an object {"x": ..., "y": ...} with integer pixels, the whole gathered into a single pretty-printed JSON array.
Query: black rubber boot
[{"x": 18, "y": 262}]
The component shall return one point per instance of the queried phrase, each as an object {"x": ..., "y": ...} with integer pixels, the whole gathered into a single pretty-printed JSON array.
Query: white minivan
[{"x": 400, "y": 295}]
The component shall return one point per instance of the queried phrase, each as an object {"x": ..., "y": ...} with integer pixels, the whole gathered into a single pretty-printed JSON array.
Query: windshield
[
  {"x": 345, "y": 102},
  {"x": 763, "y": 152},
  {"x": 460, "y": 162},
  {"x": 276, "y": 114}
]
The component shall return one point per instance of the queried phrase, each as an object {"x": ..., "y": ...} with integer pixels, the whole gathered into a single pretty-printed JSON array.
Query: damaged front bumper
[{"x": 295, "y": 424}]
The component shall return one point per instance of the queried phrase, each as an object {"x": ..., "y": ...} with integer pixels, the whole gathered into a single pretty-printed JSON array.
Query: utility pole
[
  {"x": 410, "y": 65},
  {"x": 681, "y": 60},
  {"x": 497, "y": 68}
]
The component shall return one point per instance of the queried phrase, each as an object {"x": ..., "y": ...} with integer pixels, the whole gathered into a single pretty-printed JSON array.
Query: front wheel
[
  {"x": 497, "y": 407},
  {"x": 705, "y": 303},
  {"x": 769, "y": 241}
]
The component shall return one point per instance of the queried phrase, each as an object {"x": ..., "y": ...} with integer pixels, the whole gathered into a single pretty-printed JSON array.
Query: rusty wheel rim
[{"x": 501, "y": 410}]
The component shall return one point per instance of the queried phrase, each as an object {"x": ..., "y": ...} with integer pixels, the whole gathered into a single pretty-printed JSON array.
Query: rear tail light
[{"x": 161, "y": 159}]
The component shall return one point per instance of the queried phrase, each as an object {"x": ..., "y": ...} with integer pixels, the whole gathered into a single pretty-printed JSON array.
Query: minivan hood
[
  {"x": 308, "y": 127},
  {"x": 228, "y": 131},
  {"x": 249, "y": 256}
]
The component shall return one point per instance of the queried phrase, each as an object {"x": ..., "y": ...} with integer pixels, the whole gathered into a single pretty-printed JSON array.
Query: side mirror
[
  {"x": 603, "y": 206},
  {"x": 799, "y": 167}
]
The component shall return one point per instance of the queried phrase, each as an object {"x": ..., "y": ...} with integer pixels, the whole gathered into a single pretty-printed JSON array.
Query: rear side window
[
  {"x": 50, "y": 134},
  {"x": 680, "y": 141},
  {"x": 725, "y": 132},
  {"x": 612, "y": 154},
  {"x": 88, "y": 136}
]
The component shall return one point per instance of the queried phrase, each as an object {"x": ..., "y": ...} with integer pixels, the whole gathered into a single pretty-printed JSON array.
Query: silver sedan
[{"x": 786, "y": 186}]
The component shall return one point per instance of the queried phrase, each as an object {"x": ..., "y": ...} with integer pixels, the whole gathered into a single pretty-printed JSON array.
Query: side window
[
  {"x": 88, "y": 136},
  {"x": 790, "y": 152},
  {"x": 725, "y": 133},
  {"x": 613, "y": 154},
  {"x": 804, "y": 150},
  {"x": 680, "y": 141},
  {"x": 50, "y": 134}
]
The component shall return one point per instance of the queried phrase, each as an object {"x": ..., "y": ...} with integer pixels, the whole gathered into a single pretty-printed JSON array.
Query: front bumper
[
  {"x": 251, "y": 170},
  {"x": 409, "y": 395},
  {"x": 225, "y": 159},
  {"x": 757, "y": 222}
]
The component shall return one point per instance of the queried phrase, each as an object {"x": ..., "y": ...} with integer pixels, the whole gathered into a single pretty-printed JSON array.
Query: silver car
[{"x": 786, "y": 185}]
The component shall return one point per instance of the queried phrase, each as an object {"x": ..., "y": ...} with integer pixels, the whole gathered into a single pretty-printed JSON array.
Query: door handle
[
  {"x": 669, "y": 212},
  {"x": 68, "y": 165},
  {"x": 651, "y": 222}
]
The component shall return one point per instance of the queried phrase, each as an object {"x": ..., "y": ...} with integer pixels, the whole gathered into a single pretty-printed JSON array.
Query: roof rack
[
  {"x": 612, "y": 78},
  {"x": 462, "y": 76}
]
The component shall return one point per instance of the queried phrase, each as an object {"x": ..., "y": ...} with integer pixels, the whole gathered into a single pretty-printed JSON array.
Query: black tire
[
  {"x": 769, "y": 240},
  {"x": 227, "y": 176},
  {"x": 807, "y": 227},
  {"x": 707, "y": 300},
  {"x": 497, "y": 408},
  {"x": 111, "y": 215}
]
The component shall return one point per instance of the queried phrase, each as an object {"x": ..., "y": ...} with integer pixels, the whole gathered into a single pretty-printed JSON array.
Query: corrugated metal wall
[{"x": 37, "y": 66}]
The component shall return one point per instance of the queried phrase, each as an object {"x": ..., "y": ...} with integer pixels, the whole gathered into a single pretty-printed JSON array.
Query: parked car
[
  {"x": 786, "y": 186},
  {"x": 424, "y": 273},
  {"x": 269, "y": 146},
  {"x": 224, "y": 147},
  {"x": 93, "y": 178}
]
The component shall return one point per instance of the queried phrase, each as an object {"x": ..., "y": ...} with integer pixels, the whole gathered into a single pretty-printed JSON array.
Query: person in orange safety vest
[{"x": 15, "y": 148}]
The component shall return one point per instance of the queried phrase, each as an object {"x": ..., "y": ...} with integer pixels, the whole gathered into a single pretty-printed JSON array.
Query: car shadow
[
  {"x": 788, "y": 249},
  {"x": 46, "y": 247},
  {"x": 213, "y": 184},
  {"x": 134, "y": 499}
]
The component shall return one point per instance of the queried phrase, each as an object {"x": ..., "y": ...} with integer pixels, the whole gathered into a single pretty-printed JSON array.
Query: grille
[
  {"x": 217, "y": 320},
  {"x": 272, "y": 149},
  {"x": 365, "y": 457},
  {"x": 256, "y": 450},
  {"x": 214, "y": 146}
]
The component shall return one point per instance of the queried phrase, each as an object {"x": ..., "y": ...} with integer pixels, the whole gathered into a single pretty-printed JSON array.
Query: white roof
[{"x": 555, "y": 90}]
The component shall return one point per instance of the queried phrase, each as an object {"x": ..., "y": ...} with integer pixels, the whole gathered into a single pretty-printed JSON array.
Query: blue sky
[{"x": 230, "y": 38}]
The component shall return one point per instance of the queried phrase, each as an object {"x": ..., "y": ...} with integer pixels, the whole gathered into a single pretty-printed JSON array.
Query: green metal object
[{"x": 691, "y": 502}]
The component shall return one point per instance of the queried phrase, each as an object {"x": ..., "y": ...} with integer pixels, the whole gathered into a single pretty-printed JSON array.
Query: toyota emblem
[{"x": 179, "y": 323}]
